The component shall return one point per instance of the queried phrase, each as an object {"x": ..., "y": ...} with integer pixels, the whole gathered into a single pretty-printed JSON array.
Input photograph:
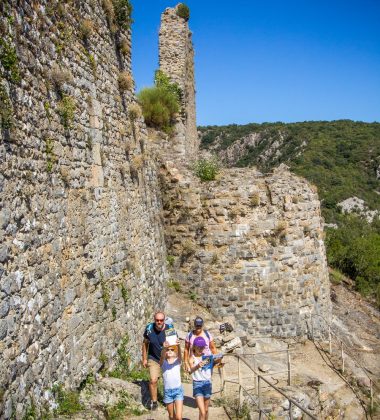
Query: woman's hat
[{"x": 200, "y": 342}]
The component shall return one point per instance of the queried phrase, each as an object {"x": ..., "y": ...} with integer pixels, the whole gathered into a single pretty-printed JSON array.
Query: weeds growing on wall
[
  {"x": 9, "y": 60},
  {"x": 68, "y": 401},
  {"x": 6, "y": 109},
  {"x": 66, "y": 110}
]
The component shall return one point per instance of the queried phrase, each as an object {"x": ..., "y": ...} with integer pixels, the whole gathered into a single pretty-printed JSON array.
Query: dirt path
[{"x": 190, "y": 410}]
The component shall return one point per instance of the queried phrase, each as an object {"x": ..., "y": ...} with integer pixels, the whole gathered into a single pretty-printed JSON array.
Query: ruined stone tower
[{"x": 176, "y": 59}]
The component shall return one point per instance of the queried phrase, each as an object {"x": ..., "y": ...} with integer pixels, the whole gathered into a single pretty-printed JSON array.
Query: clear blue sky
[{"x": 275, "y": 60}]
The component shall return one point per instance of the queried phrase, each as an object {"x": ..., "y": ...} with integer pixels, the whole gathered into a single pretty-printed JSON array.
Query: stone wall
[
  {"x": 248, "y": 247},
  {"x": 176, "y": 59},
  {"x": 82, "y": 253}
]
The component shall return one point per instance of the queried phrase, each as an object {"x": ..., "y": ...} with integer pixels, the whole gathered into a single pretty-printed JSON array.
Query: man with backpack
[
  {"x": 198, "y": 331},
  {"x": 154, "y": 338}
]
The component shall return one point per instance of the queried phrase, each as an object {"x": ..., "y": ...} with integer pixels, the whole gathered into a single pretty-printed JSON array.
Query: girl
[
  {"x": 201, "y": 371},
  {"x": 171, "y": 372}
]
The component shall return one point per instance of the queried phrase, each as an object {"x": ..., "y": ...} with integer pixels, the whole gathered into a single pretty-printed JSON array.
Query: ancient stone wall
[
  {"x": 249, "y": 247},
  {"x": 176, "y": 59},
  {"x": 82, "y": 253}
]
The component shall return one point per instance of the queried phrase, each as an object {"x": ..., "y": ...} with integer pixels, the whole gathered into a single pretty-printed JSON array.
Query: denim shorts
[
  {"x": 174, "y": 394},
  {"x": 202, "y": 389}
]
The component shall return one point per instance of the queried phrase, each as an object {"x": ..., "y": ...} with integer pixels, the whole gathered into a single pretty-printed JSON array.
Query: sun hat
[
  {"x": 199, "y": 342},
  {"x": 198, "y": 321}
]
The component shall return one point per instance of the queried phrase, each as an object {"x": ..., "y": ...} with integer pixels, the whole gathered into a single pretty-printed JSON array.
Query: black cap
[{"x": 198, "y": 321}]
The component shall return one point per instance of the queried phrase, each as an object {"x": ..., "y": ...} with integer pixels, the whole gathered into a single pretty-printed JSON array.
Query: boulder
[{"x": 232, "y": 345}]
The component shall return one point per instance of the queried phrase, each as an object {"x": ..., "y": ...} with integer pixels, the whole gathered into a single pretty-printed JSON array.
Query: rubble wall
[
  {"x": 82, "y": 253},
  {"x": 249, "y": 247}
]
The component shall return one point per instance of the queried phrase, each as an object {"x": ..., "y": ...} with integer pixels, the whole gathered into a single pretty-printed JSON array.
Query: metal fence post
[
  {"x": 256, "y": 373},
  {"x": 259, "y": 396},
  {"x": 289, "y": 375},
  {"x": 240, "y": 384},
  {"x": 290, "y": 410}
]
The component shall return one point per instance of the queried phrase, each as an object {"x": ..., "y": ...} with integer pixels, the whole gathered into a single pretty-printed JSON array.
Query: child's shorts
[
  {"x": 174, "y": 394},
  {"x": 202, "y": 389}
]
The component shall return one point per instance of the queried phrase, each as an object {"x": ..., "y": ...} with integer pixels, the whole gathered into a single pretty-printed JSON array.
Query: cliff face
[{"x": 82, "y": 252}]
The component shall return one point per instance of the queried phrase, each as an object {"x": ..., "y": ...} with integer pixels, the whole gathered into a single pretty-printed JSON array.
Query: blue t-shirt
[{"x": 156, "y": 339}]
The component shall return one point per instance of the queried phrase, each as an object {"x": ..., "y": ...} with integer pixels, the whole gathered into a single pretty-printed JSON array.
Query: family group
[{"x": 164, "y": 357}]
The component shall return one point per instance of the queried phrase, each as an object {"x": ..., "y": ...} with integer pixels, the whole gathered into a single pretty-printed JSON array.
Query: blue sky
[{"x": 279, "y": 60}]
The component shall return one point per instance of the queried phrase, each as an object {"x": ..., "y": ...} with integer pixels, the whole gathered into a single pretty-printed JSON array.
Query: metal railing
[
  {"x": 258, "y": 380},
  {"x": 343, "y": 349}
]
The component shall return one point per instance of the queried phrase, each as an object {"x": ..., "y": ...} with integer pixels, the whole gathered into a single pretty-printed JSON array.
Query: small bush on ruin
[
  {"x": 134, "y": 112},
  {"x": 159, "y": 108},
  {"x": 206, "y": 169},
  {"x": 255, "y": 200},
  {"x": 125, "y": 81},
  {"x": 66, "y": 110},
  {"x": 162, "y": 80},
  {"x": 68, "y": 401},
  {"x": 59, "y": 77},
  {"x": 86, "y": 28},
  {"x": 183, "y": 11},
  {"x": 125, "y": 47},
  {"x": 123, "y": 13}
]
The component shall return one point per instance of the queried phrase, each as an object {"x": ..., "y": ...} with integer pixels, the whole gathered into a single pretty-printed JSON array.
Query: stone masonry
[
  {"x": 82, "y": 253},
  {"x": 176, "y": 59},
  {"x": 249, "y": 247}
]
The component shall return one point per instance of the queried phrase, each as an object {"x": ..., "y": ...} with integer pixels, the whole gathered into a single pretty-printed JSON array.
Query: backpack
[{"x": 205, "y": 331}]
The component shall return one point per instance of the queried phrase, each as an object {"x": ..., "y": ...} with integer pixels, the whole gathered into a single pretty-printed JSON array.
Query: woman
[{"x": 198, "y": 331}]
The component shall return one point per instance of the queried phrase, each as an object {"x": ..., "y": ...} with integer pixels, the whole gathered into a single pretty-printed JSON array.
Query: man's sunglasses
[
  {"x": 160, "y": 320},
  {"x": 170, "y": 349}
]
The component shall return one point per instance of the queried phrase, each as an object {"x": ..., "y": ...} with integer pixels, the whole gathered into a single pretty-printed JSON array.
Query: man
[
  {"x": 154, "y": 338},
  {"x": 198, "y": 331}
]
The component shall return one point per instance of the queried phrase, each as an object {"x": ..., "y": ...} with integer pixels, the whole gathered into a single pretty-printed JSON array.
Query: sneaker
[{"x": 153, "y": 405}]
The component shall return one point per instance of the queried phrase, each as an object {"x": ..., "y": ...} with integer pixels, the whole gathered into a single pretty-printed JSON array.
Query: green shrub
[
  {"x": 161, "y": 80},
  {"x": 68, "y": 401},
  {"x": 9, "y": 60},
  {"x": 183, "y": 11},
  {"x": 174, "y": 284},
  {"x": 6, "y": 109},
  {"x": 170, "y": 259},
  {"x": 206, "y": 169},
  {"x": 159, "y": 107},
  {"x": 123, "y": 13},
  {"x": 66, "y": 110}
]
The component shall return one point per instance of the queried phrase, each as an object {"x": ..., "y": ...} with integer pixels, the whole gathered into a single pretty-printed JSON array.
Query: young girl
[
  {"x": 201, "y": 372},
  {"x": 171, "y": 372}
]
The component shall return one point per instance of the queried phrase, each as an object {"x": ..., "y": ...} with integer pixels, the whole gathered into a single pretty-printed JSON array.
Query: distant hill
[{"x": 342, "y": 158}]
